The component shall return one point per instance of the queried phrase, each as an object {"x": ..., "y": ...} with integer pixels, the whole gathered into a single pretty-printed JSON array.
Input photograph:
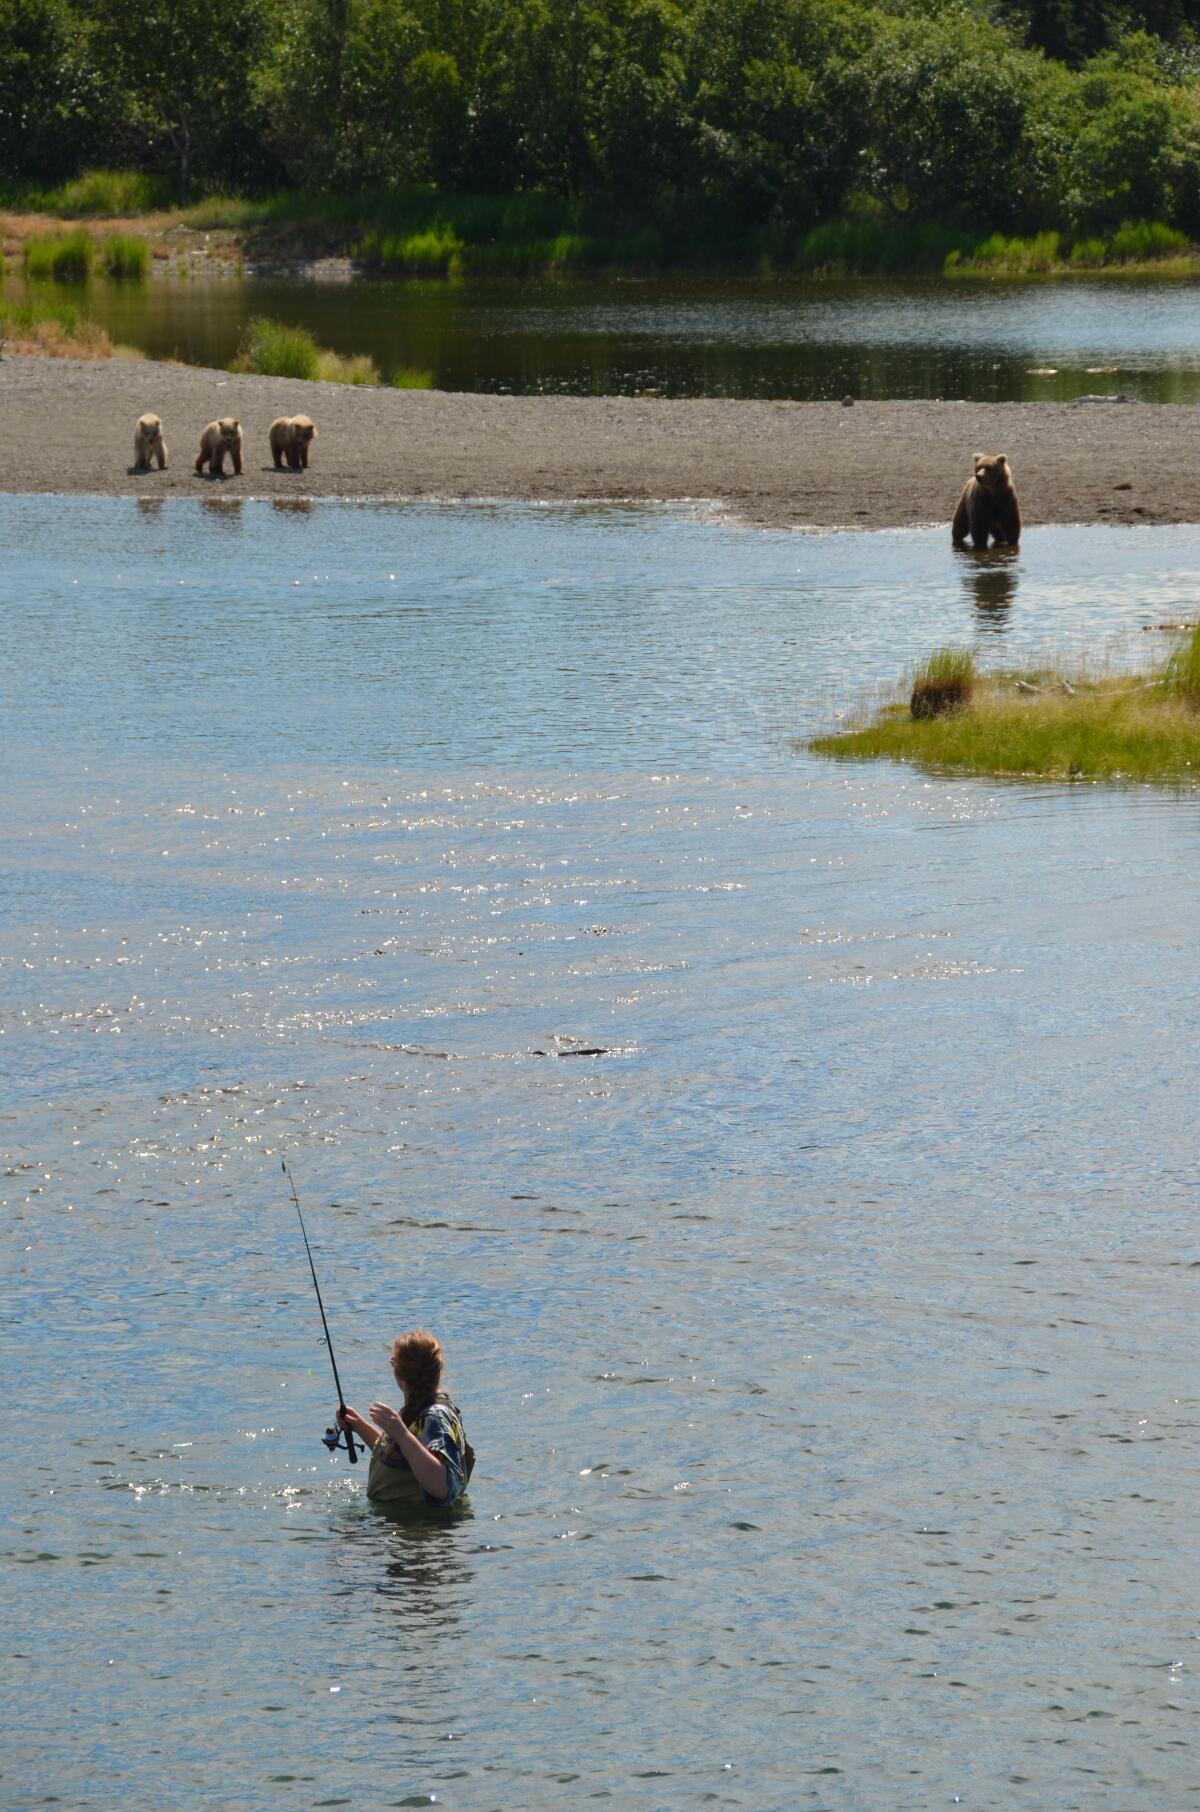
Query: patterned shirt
[{"x": 440, "y": 1429}]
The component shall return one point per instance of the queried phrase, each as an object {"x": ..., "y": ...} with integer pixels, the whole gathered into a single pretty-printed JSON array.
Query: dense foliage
[{"x": 714, "y": 120}]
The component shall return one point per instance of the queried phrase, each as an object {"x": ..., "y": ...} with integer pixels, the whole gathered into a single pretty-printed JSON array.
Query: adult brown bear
[
  {"x": 988, "y": 505},
  {"x": 291, "y": 437},
  {"x": 218, "y": 439}
]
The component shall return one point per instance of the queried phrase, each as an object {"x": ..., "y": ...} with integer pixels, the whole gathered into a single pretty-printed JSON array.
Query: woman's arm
[{"x": 427, "y": 1469}]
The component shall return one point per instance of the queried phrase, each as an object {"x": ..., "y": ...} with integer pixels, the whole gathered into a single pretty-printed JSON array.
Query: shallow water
[
  {"x": 827, "y": 1341},
  {"x": 997, "y": 341}
]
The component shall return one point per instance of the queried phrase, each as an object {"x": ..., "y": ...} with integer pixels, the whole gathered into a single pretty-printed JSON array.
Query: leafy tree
[
  {"x": 182, "y": 67},
  {"x": 52, "y": 107},
  {"x": 1119, "y": 163},
  {"x": 948, "y": 101}
]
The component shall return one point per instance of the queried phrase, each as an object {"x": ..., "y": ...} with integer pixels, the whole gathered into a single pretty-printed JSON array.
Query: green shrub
[
  {"x": 122, "y": 255},
  {"x": 1143, "y": 239},
  {"x": 113, "y": 192},
  {"x": 412, "y": 377},
  {"x": 65, "y": 260},
  {"x": 273, "y": 349}
]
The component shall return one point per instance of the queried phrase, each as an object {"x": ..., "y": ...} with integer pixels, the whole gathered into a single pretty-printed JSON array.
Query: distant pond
[{"x": 806, "y": 339}]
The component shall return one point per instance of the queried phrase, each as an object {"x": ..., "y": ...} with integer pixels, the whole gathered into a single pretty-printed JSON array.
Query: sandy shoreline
[{"x": 68, "y": 428}]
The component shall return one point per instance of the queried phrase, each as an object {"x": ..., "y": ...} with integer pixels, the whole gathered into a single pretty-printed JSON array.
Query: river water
[
  {"x": 826, "y": 1335},
  {"x": 993, "y": 341}
]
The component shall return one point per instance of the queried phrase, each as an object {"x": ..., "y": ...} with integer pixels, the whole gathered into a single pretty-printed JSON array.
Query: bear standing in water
[{"x": 988, "y": 505}]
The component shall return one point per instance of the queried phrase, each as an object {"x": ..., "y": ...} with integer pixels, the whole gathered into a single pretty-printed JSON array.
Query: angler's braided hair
[{"x": 417, "y": 1364}]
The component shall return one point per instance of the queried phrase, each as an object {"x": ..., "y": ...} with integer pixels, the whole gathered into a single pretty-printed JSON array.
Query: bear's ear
[
  {"x": 1002, "y": 459},
  {"x": 977, "y": 458}
]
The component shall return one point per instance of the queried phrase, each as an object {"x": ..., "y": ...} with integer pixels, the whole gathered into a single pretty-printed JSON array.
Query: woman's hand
[
  {"x": 428, "y": 1469},
  {"x": 388, "y": 1420},
  {"x": 350, "y": 1418}
]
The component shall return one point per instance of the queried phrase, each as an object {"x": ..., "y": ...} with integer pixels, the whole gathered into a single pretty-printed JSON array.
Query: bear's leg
[
  {"x": 237, "y": 461},
  {"x": 216, "y": 464},
  {"x": 278, "y": 452},
  {"x": 304, "y": 455},
  {"x": 162, "y": 458},
  {"x": 201, "y": 459}
]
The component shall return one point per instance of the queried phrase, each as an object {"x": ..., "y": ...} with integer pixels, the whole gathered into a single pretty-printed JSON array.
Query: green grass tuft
[
  {"x": 412, "y": 377},
  {"x": 359, "y": 369},
  {"x": 1181, "y": 675},
  {"x": 65, "y": 260},
  {"x": 124, "y": 256},
  {"x": 113, "y": 192},
  {"x": 942, "y": 683},
  {"x": 273, "y": 349}
]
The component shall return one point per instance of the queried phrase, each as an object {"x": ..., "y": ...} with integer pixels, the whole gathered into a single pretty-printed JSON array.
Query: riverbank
[
  {"x": 420, "y": 233},
  {"x": 69, "y": 428}
]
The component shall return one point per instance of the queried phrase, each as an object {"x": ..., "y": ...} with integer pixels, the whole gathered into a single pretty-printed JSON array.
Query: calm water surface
[
  {"x": 828, "y": 1342},
  {"x": 983, "y": 341}
]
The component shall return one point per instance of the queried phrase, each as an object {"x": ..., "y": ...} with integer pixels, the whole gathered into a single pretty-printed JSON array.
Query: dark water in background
[
  {"x": 829, "y": 1343},
  {"x": 804, "y": 339}
]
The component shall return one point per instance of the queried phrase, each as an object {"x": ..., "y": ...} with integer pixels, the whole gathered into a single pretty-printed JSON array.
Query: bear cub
[
  {"x": 291, "y": 436},
  {"x": 988, "y": 505},
  {"x": 218, "y": 439},
  {"x": 148, "y": 444}
]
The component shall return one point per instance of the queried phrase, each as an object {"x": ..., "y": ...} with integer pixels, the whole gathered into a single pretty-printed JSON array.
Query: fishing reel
[{"x": 340, "y": 1440}]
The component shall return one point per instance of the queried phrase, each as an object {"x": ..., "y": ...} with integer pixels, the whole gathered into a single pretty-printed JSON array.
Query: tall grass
[
  {"x": 124, "y": 256},
  {"x": 358, "y": 368},
  {"x": 56, "y": 331},
  {"x": 112, "y": 192},
  {"x": 942, "y": 683},
  {"x": 1016, "y": 256},
  {"x": 869, "y": 246},
  {"x": 1137, "y": 242},
  {"x": 437, "y": 252},
  {"x": 412, "y": 377},
  {"x": 65, "y": 260},
  {"x": 1181, "y": 675},
  {"x": 275, "y": 349}
]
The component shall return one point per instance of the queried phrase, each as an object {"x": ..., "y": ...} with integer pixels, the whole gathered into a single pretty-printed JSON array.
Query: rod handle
[{"x": 351, "y": 1449}]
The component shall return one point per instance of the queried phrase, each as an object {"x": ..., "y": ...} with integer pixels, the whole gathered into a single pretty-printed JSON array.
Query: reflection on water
[
  {"x": 825, "y": 1334},
  {"x": 989, "y": 577},
  {"x": 783, "y": 337}
]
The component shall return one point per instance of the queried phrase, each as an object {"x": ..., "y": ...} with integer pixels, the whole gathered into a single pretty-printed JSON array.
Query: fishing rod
[{"x": 332, "y": 1436}]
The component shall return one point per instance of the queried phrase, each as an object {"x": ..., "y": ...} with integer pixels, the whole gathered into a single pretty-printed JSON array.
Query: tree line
[{"x": 733, "y": 117}]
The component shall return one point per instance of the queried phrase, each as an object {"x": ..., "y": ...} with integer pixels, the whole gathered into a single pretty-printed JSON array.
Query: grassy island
[{"x": 1045, "y": 723}]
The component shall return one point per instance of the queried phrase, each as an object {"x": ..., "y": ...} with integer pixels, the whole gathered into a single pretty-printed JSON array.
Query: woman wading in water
[{"x": 420, "y": 1455}]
